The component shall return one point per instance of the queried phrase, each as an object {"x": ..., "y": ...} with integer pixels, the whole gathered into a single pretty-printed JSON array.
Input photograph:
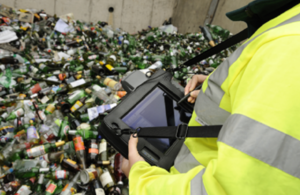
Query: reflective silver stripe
[
  {"x": 197, "y": 186},
  {"x": 209, "y": 111},
  {"x": 185, "y": 161},
  {"x": 263, "y": 143},
  {"x": 207, "y": 104}
]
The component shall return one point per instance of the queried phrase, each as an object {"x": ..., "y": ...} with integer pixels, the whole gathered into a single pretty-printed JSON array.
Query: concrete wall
[
  {"x": 190, "y": 14},
  {"x": 134, "y": 15},
  {"x": 130, "y": 15}
]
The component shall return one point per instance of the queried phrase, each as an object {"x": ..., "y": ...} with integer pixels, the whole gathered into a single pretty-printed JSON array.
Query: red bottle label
[
  {"x": 78, "y": 143},
  {"x": 61, "y": 174},
  {"x": 93, "y": 150},
  {"x": 36, "y": 88},
  {"x": 51, "y": 188}
]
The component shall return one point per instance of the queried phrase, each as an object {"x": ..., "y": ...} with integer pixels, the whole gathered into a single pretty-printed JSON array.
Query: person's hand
[
  {"x": 192, "y": 84},
  {"x": 133, "y": 156}
]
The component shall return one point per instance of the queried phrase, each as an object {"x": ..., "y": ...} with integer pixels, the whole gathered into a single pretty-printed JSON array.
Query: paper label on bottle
[
  {"x": 93, "y": 113},
  {"x": 102, "y": 147},
  {"x": 99, "y": 191},
  {"x": 75, "y": 93},
  {"x": 92, "y": 57},
  {"x": 36, "y": 88},
  {"x": 42, "y": 115},
  {"x": 32, "y": 133},
  {"x": 61, "y": 174},
  {"x": 71, "y": 161},
  {"x": 78, "y": 143},
  {"x": 77, "y": 83},
  {"x": 24, "y": 190},
  {"x": 19, "y": 112},
  {"x": 44, "y": 100},
  {"x": 94, "y": 151},
  {"x": 106, "y": 178},
  {"x": 94, "y": 145},
  {"x": 51, "y": 188},
  {"x": 50, "y": 108},
  {"x": 110, "y": 82},
  {"x": 77, "y": 105},
  {"x": 36, "y": 151}
]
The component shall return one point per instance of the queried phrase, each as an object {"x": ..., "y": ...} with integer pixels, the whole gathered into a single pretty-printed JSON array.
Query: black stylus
[{"x": 188, "y": 95}]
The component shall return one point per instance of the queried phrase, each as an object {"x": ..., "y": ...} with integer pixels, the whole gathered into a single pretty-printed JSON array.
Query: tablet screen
[{"x": 157, "y": 109}]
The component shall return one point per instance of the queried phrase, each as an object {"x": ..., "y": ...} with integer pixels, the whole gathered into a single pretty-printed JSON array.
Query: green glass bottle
[
  {"x": 51, "y": 188},
  {"x": 33, "y": 172},
  {"x": 18, "y": 112},
  {"x": 64, "y": 128},
  {"x": 57, "y": 175},
  {"x": 86, "y": 135},
  {"x": 41, "y": 150},
  {"x": 39, "y": 189}
]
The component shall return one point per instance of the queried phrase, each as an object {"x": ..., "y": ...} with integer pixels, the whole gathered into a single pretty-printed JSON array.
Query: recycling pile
[{"x": 59, "y": 78}]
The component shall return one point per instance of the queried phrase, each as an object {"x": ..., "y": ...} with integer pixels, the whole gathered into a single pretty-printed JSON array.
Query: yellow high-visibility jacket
[{"x": 255, "y": 95}]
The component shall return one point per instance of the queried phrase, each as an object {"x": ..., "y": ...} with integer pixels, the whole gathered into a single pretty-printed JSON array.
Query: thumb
[
  {"x": 132, "y": 146},
  {"x": 194, "y": 94}
]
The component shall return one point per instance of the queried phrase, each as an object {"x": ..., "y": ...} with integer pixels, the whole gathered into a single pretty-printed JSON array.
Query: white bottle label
[
  {"x": 77, "y": 83},
  {"x": 36, "y": 151},
  {"x": 74, "y": 95},
  {"x": 24, "y": 190},
  {"x": 99, "y": 191},
  {"x": 60, "y": 174},
  {"x": 93, "y": 113},
  {"x": 103, "y": 147},
  {"x": 105, "y": 179},
  {"x": 44, "y": 100},
  {"x": 19, "y": 112}
]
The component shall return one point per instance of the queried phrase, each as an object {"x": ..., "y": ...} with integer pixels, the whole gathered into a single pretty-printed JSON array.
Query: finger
[
  {"x": 132, "y": 146},
  {"x": 193, "y": 101},
  {"x": 194, "y": 83},
  {"x": 194, "y": 94},
  {"x": 187, "y": 88},
  {"x": 190, "y": 99}
]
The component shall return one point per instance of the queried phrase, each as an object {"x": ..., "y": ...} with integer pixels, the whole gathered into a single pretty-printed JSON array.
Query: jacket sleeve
[{"x": 147, "y": 180}]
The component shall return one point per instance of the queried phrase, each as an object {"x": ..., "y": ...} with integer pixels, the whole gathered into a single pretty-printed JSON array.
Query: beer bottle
[{"x": 80, "y": 150}]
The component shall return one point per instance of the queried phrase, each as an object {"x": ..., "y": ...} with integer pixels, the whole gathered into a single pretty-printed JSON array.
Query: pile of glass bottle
[{"x": 55, "y": 89}]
